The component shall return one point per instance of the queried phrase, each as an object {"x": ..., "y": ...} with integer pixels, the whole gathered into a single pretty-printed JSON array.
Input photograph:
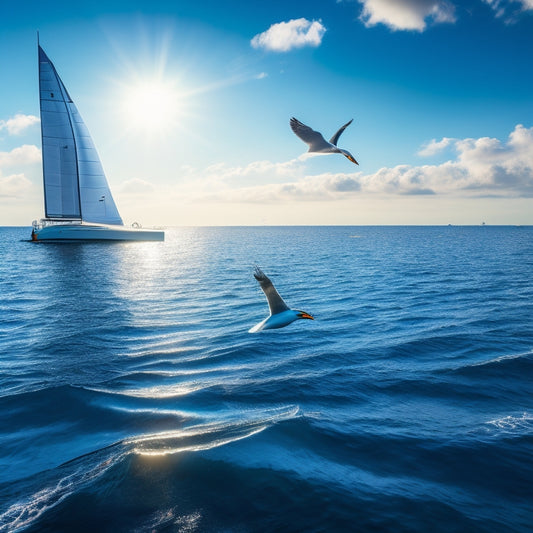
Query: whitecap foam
[
  {"x": 168, "y": 518},
  {"x": 514, "y": 424},
  {"x": 23, "y": 513}
]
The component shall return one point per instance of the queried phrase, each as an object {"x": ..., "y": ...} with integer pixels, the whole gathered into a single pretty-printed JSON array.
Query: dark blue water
[{"x": 133, "y": 398}]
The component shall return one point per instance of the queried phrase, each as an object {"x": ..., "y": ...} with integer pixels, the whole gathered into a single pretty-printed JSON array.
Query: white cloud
[
  {"x": 506, "y": 168},
  {"x": 484, "y": 166},
  {"x": 285, "y": 36},
  {"x": 22, "y": 155},
  {"x": 15, "y": 185},
  {"x": 219, "y": 177},
  {"x": 480, "y": 167},
  {"x": 435, "y": 147},
  {"x": 17, "y": 124},
  {"x": 310, "y": 188},
  {"x": 406, "y": 14}
]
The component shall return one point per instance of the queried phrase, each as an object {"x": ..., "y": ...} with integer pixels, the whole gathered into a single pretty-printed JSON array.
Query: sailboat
[{"x": 77, "y": 199}]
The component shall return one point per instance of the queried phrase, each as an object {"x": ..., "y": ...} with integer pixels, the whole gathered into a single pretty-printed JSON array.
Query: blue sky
[{"x": 189, "y": 103}]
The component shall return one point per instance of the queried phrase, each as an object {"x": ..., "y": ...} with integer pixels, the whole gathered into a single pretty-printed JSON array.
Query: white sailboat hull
[{"x": 94, "y": 232}]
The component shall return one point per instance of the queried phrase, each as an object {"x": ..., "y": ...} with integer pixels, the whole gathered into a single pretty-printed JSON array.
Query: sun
[{"x": 152, "y": 106}]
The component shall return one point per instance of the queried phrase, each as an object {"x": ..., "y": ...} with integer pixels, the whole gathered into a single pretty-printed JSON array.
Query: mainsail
[{"x": 75, "y": 186}]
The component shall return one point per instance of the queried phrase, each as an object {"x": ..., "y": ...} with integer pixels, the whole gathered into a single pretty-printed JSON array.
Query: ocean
[{"x": 133, "y": 398}]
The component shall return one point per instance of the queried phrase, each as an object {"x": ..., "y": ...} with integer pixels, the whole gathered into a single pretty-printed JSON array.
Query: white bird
[
  {"x": 280, "y": 313},
  {"x": 316, "y": 141}
]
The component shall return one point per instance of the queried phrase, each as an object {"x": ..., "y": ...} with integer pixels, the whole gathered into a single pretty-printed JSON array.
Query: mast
[{"x": 41, "y": 121}]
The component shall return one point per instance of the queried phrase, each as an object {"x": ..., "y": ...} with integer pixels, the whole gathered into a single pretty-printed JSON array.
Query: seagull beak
[
  {"x": 306, "y": 315},
  {"x": 353, "y": 160}
]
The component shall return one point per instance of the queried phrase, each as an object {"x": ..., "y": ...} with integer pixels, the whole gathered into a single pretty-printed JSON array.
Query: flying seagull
[
  {"x": 280, "y": 313},
  {"x": 316, "y": 141}
]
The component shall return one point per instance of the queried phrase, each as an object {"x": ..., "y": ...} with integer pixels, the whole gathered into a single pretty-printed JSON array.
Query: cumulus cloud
[
  {"x": 507, "y": 167},
  {"x": 406, "y": 14},
  {"x": 483, "y": 166},
  {"x": 17, "y": 185},
  {"x": 285, "y": 36},
  {"x": 22, "y": 155},
  {"x": 17, "y": 124},
  {"x": 435, "y": 147},
  {"x": 14, "y": 186},
  {"x": 308, "y": 188},
  {"x": 479, "y": 167}
]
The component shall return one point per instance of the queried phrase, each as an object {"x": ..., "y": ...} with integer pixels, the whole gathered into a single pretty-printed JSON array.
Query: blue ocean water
[{"x": 133, "y": 398}]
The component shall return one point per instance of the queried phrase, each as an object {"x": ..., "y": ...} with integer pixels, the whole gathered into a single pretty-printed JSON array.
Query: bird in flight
[
  {"x": 281, "y": 314},
  {"x": 316, "y": 141}
]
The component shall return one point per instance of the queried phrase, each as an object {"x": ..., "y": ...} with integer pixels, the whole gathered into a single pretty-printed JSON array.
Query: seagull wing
[
  {"x": 275, "y": 301},
  {"x": 335, "y": 137},
  {"x": 313, "y": 138}
]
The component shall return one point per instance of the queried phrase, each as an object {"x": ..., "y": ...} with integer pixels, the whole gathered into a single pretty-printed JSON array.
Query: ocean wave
[
  {"x": 502, "y": 367},
  {"x": 503, "y": 359},
  {"x": 76, "y": 474},
  {"x": 134, "y": 399},
  {"x": 211, "y": 435},
  {"x": 62, "y": 482}
]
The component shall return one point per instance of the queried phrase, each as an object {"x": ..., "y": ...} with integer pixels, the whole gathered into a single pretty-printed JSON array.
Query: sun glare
[{"x": 152, "y": 106}]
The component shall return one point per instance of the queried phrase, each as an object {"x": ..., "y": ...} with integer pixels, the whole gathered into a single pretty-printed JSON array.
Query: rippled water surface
[{"x": 133, "y": 398}]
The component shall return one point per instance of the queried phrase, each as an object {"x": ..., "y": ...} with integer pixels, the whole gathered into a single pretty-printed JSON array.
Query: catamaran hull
[{"x": 96, "y": 232}]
